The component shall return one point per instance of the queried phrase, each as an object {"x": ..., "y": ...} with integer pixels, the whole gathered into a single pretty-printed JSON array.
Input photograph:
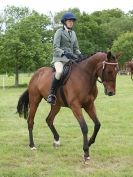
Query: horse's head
[{"x": 107, "y": 72}]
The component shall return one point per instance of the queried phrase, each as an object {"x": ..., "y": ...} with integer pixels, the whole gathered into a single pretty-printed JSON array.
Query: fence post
[{"x": 3, "y": 82}]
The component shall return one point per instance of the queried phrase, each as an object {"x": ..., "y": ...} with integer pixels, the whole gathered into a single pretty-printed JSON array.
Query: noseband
[{"x": 104, "y": 63}]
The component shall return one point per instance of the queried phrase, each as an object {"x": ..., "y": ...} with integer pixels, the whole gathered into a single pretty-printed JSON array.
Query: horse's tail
[{"x": 23, "y": 104}]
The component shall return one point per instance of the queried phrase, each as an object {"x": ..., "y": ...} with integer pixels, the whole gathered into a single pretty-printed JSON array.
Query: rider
[{"x": 65, "y": 47}]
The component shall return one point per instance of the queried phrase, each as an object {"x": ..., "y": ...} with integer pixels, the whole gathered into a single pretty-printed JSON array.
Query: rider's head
[{"x": 68, "y": 20}]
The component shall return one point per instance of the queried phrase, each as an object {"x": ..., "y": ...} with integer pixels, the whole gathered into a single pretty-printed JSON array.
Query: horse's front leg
[
  {"x": 50, "y": 119},
  {"x": 77, "y": 111},
  {"x": 90, "y": 109}
]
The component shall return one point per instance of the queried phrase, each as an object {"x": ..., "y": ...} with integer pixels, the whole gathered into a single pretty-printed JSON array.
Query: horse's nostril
[{"x": 110, "y": 93}]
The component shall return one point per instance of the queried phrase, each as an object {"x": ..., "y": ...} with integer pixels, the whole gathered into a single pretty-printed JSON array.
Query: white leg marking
[{"x": 33, "y": 148}]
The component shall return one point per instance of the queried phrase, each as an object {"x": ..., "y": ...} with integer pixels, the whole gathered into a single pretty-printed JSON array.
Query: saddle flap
[{"x": 66, "y": 73}]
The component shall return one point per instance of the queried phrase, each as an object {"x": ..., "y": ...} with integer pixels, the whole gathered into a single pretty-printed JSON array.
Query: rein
[{"x": 104, "y": 63}]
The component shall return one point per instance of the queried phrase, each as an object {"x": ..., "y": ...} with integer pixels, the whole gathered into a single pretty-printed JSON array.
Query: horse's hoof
[
  {"x": 56, "y": 144},
  {"x": 33, "y": 148},
  {"x": 86, "y": 160}
]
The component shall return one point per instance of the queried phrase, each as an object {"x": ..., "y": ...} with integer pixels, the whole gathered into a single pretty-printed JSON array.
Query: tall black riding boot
[{"x": 52, "y": 95}]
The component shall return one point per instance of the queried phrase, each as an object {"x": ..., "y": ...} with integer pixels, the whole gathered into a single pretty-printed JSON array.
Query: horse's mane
[{"x": 86, "y": 56}]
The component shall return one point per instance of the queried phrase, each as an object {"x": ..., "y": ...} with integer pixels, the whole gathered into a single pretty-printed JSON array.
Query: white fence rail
[{"x": 9, "y": 81}]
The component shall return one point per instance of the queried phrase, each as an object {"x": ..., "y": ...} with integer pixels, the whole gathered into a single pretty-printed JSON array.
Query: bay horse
[
  {"x": 80, "y": 91},
  {"x": 129, "y": 66}
]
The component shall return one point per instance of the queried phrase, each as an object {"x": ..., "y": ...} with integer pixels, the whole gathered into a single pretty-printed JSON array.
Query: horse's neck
[{"x": 90, "y": 65}]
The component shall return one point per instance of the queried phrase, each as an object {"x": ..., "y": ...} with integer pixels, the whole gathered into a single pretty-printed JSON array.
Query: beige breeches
[{"x": 59, "y": 69}]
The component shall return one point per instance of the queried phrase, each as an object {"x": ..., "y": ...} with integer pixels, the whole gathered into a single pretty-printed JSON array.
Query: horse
[
  {"x": 129, "y": 66},
  {"x": 80, "y": 92}
]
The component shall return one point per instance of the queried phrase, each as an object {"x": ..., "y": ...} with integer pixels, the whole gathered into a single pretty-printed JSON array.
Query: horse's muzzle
[{"x": 109, "y": 93}]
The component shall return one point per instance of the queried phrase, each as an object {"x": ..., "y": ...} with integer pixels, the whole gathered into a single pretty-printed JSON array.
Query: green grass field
[{"x": 111, "y": 155}]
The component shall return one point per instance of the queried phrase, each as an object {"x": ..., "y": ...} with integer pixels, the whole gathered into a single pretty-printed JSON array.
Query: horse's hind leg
[
  {"x": 50, "y": 119},
  {"x": 33, "y": 104}
]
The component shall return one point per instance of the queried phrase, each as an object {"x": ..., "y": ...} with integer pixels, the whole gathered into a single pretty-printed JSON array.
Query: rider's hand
[
  {"x": 69, "y": 55},
  {"x": 80, "y": 57}
]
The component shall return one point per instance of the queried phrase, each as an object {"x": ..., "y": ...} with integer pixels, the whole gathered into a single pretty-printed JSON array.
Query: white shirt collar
[{"x": 67, "y": 28}]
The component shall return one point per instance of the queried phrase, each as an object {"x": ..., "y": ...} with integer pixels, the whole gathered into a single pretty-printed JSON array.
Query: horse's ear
[
  {"x": 109, "y": 55},
  {"x": 118, "y": 54}
]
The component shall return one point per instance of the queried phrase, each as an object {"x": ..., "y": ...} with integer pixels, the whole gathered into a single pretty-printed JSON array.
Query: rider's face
[{"x": 69, "y": 23}]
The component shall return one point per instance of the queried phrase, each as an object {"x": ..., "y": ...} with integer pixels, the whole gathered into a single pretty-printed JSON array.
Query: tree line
[{"x": 26, "y": 36}]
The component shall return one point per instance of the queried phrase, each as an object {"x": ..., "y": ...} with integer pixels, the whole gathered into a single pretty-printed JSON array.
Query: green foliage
[
  {"x": 26, "y": 39},
  {"x": 117, "y": 27},
  {"x": 22, "y": 47},
  {"x": 106, "y": 16},
  {"x": 13, "y": 14},
  {"x": 90, "y": 34},
  {"x": 26, "y": 43},
  {"x": 102, "y": 37},
  {"x": 95, "y": 31},
  {"x": 37, "y": 38},
  {"x": 124, "y": 44}
]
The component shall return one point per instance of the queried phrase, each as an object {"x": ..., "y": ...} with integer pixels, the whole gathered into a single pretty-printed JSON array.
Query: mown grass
[{"x": 111, "y": 155}]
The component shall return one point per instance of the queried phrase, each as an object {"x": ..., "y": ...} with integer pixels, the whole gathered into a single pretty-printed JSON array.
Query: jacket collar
[{"x": 66, "y": 32}]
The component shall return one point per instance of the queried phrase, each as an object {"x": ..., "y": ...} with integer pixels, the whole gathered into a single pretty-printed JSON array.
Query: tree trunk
[{"x": 16, "y": 77}]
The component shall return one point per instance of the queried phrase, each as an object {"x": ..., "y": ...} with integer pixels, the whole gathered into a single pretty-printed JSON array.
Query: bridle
[{"x": 104, "y": 63}]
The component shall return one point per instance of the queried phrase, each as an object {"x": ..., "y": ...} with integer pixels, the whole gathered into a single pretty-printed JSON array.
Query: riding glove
[
  {"x": 69, "y": 55},
  {"x": 80, "y": 56}
]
